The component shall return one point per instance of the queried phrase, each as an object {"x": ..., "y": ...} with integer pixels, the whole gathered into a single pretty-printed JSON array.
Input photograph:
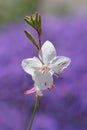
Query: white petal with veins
[
  {"x": 31, "y": 64},
  {"x": 43, "y": 80},
  {"x": 47, "y": 52},
  {"x": 59, "y": 63}
]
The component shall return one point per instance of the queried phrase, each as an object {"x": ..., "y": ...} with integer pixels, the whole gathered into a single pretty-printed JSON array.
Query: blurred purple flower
[{"x": 64, "y": 108}]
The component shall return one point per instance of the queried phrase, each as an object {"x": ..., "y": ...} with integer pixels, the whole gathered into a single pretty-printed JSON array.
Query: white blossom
[{"x": 43, "y": 68}]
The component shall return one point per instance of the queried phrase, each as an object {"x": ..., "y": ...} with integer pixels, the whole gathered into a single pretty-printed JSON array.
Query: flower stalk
[
  {"x": 34, "y": 112},
  {"x": 35, "y": 22},
  {"x": 43, "y": 68}
]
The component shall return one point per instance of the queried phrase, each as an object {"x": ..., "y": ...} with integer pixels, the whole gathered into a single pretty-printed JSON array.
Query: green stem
[
  {"x": 34, "y": 112},
  {"x": 39, "y": 37}
]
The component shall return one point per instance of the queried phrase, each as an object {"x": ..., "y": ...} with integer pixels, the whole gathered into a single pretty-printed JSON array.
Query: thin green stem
[
  {"x": 34, "y": 112},
  {"x": 39, "y": 37}
]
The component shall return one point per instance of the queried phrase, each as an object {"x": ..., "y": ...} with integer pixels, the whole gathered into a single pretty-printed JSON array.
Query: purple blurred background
[{"x": 63, "y": 108}]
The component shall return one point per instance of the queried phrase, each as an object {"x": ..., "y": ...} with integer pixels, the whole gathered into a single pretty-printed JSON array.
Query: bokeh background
[{"x": 64, "y": 23}]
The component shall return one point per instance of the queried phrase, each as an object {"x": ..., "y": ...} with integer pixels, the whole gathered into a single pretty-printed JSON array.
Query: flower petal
[
  {"x": 43, "y": 80},
  {"x": 31, "y": 64},
  {"x": 30, "y": 91},
  {"x": 59, "y": 63},
  {"x": 33, "y": 90},
  {"x": 47, "y": 52}
]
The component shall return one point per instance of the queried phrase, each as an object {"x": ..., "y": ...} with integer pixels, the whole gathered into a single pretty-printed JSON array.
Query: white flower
[{"x": 43, "y": 68}]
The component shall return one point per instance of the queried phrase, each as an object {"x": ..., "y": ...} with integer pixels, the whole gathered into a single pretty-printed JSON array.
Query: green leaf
[
  {"x": 34, "y": 21},
  {"x": 29, "y": 21},
  {"x": 31, "y": 38},
  {"x": 37, "y": 17},
  {"x": 40, "y": 21}
]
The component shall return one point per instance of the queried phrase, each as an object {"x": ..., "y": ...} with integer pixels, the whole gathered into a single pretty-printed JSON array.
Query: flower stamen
[{"x": 44, "y": 68}]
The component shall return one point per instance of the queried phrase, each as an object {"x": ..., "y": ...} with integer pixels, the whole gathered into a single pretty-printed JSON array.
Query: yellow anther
[{"x": 44, "y": 68}]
